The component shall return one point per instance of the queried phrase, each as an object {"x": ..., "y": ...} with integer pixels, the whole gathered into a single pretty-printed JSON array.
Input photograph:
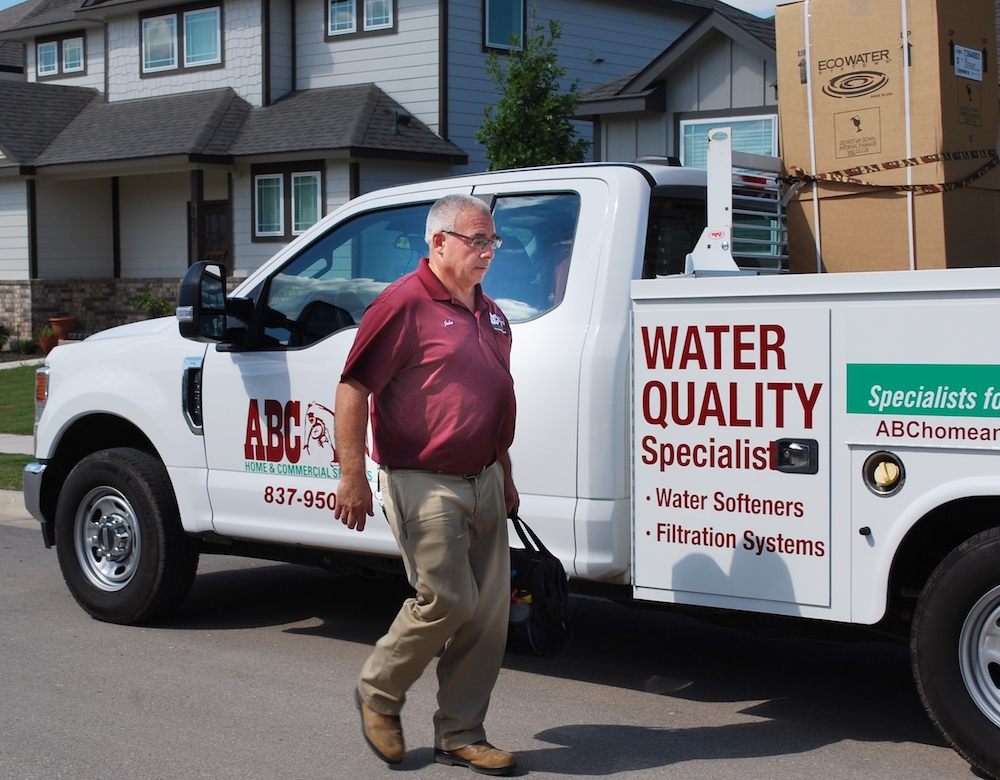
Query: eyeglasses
[{"x": 478, "y": 243}]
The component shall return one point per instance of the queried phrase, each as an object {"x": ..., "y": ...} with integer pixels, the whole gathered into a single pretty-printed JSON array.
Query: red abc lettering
[{"x": 275, "y": 417}]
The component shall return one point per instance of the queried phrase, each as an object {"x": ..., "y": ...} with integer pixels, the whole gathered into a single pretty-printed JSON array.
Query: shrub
[{"x": 155, "y": 307}]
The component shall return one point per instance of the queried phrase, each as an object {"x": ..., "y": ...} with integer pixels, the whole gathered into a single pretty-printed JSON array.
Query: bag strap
[{"x": 524, "y": 531}]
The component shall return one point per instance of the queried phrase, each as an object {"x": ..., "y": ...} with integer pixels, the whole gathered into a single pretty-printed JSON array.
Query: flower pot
[
  {"x": 48, "y": 343},
  {"x": 63, "y": 326}
]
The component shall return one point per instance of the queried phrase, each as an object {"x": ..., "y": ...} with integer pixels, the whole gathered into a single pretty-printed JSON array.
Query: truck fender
[{"x": 870, "y": 604}]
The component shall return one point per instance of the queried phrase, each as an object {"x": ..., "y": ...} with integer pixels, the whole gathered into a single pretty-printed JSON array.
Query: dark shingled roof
[
  {"x": 12, "y": 52},
  {"x": 608, "y": 89},
  {"x": 46, "y": 124},
  {"x": 199, "y": 123},
  {"x": 761, "y": 29},
  {"x": 34, "y": 114},
  {"x": 360, "y": 117},
  {"x": 44, "y": 12}
]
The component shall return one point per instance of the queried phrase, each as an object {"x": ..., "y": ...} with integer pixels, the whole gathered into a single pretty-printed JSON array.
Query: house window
[
  {"x": 191, "y": 38},
  {"x": 159, "y": 43},
  {"x": 751, "y": 134},
  {"x": 286, "y": 202},
  {"x": 378, "y": 14},
  {"x": 306, "y": 205},
  {"x": 61, "y": 55},
  {"x": 48, "y": 58},
  {"x": 342, "y": 17},
  {"x": 503, "y": 20},
  {"x": 72, "y": 51},
  {"x": 270, "y": 205},
  {"x": 202, "y": 44}
]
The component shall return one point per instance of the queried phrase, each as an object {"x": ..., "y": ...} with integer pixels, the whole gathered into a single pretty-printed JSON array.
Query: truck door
[
  {"x": 543, "y": 278},
  {"x": 731, "y": 460},
  {"x": 269, "y": 409}
]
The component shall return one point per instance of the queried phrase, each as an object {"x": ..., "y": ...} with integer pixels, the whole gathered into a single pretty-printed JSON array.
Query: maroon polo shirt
[{"x": 443, "y": 397}]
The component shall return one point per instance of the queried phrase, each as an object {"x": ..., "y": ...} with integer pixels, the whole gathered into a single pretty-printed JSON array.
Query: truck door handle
[{"x": 795, "y": 456}]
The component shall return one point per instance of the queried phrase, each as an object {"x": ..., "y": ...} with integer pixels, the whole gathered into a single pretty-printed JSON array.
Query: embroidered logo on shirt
[
  {"x": 448, "y": 323},
  {"x": 499, "y": 323}
]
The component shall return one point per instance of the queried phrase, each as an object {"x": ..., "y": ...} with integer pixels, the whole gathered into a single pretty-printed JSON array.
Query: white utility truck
[{"x": 725, "y": 441}]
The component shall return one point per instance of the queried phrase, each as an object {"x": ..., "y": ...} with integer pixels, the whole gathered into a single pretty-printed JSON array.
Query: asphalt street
[{"x": 252, "y": 678}]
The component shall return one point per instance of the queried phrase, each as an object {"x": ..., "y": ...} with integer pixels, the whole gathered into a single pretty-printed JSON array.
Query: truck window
[
  {"x": 672, "y": 232},
  {"x": 528, "y": 274},
  {"x": 327, "y": 286},
  {"x": 676, "y": 220}
]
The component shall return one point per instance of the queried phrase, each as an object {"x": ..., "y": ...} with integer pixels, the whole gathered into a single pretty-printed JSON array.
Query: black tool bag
[{"x": 539, "y": 599}]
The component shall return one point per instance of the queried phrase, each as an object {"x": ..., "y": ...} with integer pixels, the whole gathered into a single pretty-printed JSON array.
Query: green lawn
[
  {"x": 17, "y": 400},
  {"x": 11, "y": 467}
]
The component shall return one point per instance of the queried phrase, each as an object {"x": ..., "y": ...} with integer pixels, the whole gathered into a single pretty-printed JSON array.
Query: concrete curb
[
  {"x": 12, "y": 511},
  {"x": 17, "y": 445},
  {"x": 18, "y": 363}
]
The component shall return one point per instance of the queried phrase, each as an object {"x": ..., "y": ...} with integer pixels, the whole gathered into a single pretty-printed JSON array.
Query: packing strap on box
[{"x": 848, "y": 175}]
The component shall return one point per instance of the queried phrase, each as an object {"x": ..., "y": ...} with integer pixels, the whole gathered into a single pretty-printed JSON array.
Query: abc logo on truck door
[{"x": 291, "y": 437}]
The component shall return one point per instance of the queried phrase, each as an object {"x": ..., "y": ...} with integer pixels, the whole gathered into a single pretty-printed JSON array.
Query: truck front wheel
[
  {"x": 121, "y": 548},
  {"x": 955, "y": 647}
]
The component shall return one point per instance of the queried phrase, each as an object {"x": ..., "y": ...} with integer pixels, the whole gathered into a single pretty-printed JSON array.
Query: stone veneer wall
[{"x": 97, "y": 304}]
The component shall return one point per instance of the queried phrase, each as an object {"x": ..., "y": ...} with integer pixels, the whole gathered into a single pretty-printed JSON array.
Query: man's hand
[
  {"x": 354, "y": 496},
  {"x": 354, "y": 501}
]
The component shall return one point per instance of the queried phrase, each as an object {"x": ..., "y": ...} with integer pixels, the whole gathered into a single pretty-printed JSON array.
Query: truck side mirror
[{"x": 201, "y": 303}]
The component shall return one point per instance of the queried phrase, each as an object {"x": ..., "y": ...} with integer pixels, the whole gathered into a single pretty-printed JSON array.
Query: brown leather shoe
[
  {"x": 480, "y": 757},
  {"x": 383, "y": 733}
]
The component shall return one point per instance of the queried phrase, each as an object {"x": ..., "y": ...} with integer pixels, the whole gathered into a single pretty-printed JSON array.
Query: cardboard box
[{"x": 866, "y": 89}]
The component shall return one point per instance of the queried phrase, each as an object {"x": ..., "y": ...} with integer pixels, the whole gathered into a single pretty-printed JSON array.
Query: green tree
[{"x": 530, "y": 124}]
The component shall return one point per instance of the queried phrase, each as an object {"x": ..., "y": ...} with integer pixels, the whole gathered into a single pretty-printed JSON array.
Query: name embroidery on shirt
[{"x": 449, "y": 323}]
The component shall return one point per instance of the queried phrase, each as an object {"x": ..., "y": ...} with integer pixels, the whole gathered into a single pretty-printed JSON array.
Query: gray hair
[{"x": 444, "y": 213}]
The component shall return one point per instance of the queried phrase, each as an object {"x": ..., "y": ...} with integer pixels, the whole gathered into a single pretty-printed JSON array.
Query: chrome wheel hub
[
  {"x": 979, "y": 654},
  {"x": 107, "y": 539}
]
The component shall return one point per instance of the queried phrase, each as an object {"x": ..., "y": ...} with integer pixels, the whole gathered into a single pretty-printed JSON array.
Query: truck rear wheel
[
  {"x": 955, "y": 648},
  {"x": 122, "y": 551}
]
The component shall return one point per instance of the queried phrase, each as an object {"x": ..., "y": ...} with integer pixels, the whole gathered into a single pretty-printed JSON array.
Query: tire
[
  {"x": 955, "y": 650},
  {"x": 121, "y": 548}
]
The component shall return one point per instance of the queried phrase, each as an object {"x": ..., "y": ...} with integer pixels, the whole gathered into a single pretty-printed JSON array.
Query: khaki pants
[{"x": 452, "y": 532}]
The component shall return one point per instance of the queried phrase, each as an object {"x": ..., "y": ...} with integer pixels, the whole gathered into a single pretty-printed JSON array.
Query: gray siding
[
  {"x": 242, "y": 59},
  {"x": 599, "y": 43},
  {"x": 74, "y": 229},
  {"x": 13, "y": 229},
  {"x": 376, "y": 174},
  {"x": 154, "y": 223},
  {"x": 404, "y": 64}
]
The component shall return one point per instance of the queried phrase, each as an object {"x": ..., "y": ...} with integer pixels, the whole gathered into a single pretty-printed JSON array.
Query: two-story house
[{"x": 146, "y": 134}]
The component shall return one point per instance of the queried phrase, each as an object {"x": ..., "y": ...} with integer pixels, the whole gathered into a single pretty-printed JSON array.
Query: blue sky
[{"x": 759, "y": 7}]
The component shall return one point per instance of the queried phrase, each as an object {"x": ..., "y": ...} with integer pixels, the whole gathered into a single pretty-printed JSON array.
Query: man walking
[{"x": 434, "y": 353}]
